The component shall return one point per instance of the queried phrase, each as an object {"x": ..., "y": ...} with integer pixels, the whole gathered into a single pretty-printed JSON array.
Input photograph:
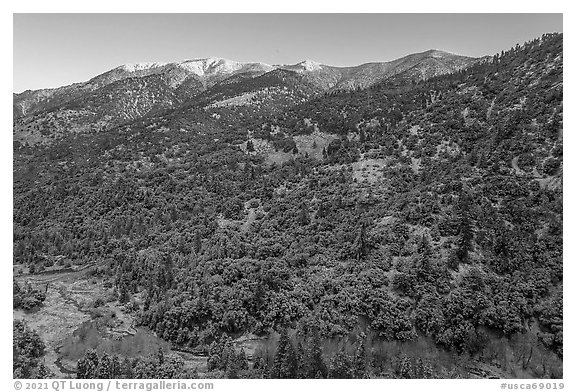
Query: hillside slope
[{"x": 409, "y": 229}]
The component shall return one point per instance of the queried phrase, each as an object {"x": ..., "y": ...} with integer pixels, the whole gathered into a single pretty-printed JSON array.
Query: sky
[{"x": 52, "y": 50}]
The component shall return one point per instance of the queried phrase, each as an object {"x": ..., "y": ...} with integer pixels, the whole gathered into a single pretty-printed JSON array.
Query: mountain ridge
[
  {"x": 143, "y": 66},
  {"x": 131, "y": 91}
]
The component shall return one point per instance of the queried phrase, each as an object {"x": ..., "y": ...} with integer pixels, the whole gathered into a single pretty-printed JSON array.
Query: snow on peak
[
  {"x": 210, "y": 65},
  {"x": 310, "y": 65},
  {"x": 215, "y": 65},
  {"x": 201, "y": 67},
  {"x": 140, "y": 66}
]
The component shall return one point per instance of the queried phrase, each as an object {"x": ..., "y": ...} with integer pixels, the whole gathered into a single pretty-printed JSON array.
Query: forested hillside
[{"x": 426, "y": 229}]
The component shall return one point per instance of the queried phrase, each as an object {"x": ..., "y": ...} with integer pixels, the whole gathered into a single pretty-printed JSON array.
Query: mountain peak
[
  {"x": 134, "y": 67},
  {"x": 212, "y": 70},
  {"x": 217, "y": 65},
  {"x": 437, "y": 54},
  {"x": 310, "y": 65},
  {"x": 201, "y": 67}
]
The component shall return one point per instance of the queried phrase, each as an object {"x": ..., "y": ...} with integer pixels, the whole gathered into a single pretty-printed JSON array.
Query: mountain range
[{"x": 131, "y": 91}]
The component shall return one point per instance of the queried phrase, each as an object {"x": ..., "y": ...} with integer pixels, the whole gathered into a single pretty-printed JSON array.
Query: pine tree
[
  {"x": 214, "y": 358},
  {"x": 104, "y": 367},
  {"x": 285, "y": 361},
  {"x": 316, "y": 367},
  {"x": 303, "y": 218},
  {"x": 466, "y": 235},
  {"x": 341, "y": 366},
  {"x": 160, "y": 355},
  {"x": 290, "y": 363},
  {"x": 231, "y": 371},
  {"x": 405, "y": 367},
  {"x": 241, "y": 360},
  {"x": 360, "y": 368},
  {"x": 301, "y": 360},
  {"x": 276, "y": 371},
  {"x": 123, "y": 296},
  {"x": 43, "y": 372},
  {"x": 360, "y": 245},
  {"x": 424, "y": 266},
  {"x": 86, "y": 366},
  {"x": 126, "y": 368}
]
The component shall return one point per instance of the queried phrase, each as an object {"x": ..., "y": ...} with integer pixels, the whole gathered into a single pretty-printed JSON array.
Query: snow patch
[
  {"x": 141, "y": 66},
  {"x": 220, "y": 66},
  {"x": 310, "y": 65}
]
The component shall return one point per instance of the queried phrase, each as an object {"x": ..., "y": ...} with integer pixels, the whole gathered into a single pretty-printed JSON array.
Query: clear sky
[{"x": 52, "y": 50}]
